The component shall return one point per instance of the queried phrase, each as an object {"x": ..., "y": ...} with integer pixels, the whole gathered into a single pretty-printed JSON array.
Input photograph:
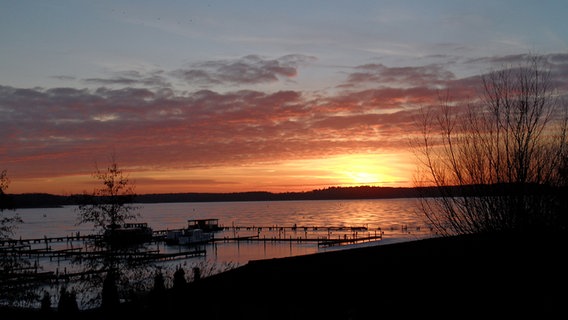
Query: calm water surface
[{"x": 399, "y": 219}]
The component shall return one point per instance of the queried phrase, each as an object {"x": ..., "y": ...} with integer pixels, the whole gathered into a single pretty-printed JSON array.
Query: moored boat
[
  {"x": 207, "y": 225},
  {"x": 198, "y": 231},
  {"x": 128, "y": 233}
]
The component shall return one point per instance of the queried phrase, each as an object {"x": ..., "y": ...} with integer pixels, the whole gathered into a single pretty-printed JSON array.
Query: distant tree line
[{"x": 44, "y": 200}]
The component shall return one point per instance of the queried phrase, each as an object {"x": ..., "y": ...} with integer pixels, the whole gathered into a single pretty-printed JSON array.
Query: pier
[
  {"x": 323, "y": 236},
  {"x": 85, "y": 246},
  {"x": 332, "y": 235},
  {"x": 52, "y": 259}
]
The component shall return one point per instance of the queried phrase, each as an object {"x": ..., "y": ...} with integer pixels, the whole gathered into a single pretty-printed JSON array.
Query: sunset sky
[{"x": 231, "y": 96}]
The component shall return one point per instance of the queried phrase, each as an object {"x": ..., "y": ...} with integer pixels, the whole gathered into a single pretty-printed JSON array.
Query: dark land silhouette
[
  {"x": 44, "y": 200},
  {"x": 38, "y": 200},
  {"x": 454, "y": 277},
  {"x": 505, "y": 274},
  {"x": 482, "y": 275}
]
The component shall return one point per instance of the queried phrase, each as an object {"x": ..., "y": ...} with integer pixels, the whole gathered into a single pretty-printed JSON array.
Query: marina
[
  {"x": 58, "y": 252},
  {"x": 84, "y": 244},
  {"x": 46, "y": 251}
]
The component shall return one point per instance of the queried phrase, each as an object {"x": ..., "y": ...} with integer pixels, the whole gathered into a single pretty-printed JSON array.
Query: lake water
[
  {"x": 398, "y": 219},
  {"x": 395, "y": 219}
]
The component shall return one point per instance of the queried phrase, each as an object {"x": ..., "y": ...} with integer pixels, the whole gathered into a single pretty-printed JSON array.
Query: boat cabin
[
  {"x": 128, "y": 233},
  {"x": 207, "y": 225},
  {"x": 198, "y": 231}
]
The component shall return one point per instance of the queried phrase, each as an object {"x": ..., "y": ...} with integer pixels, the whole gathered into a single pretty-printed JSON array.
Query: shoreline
[
  {"x": 475, "y": 274},
  {"x": 504, "y": 274}
]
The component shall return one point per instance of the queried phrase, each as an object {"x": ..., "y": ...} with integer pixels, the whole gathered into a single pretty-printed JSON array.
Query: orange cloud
[{"x": 177, "y": 140}]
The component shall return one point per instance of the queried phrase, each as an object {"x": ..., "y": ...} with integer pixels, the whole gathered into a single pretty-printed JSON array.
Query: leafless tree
[
  {"x": 12, "y": 263},
  {"x": 499, "y": 163},
  {"x": 108, "y": 208},
  {"x": 7, "y": 222},
  {"x": 110, "y": 205}
]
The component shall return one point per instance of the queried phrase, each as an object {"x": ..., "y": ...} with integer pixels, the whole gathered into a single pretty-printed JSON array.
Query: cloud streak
[
  {"x": 251, "y": 69},
  {"x": 61, "y": 131}
]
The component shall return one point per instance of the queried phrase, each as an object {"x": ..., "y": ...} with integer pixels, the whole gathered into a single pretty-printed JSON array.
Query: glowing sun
[{"x": 363, "y": 177}]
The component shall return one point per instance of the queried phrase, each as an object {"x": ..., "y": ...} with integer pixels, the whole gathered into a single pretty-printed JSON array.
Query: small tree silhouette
[
  {"x": 7, "y": 223},
  {"x": 11, "y": 260},
  {"x": 110, "y": 205},
  {"x": 67, "y": 301},
  {"x": 159, "y": 283},
  {"x": 196, "y": 274},
  {"x": 46, "y": 302},
  {"x": 110, "y": 297},
  {"x": 179, "y": 279},
  {"x": 157, "y": 296}
]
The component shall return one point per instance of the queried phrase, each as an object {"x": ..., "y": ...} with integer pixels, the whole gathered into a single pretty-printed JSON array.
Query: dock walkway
[
  {"x": 66, "y": 250},
  {"x": 322, "y": 235}
]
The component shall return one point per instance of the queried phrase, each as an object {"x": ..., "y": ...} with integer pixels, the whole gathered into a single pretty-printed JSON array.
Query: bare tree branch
[{"x": 504, "y": 155}]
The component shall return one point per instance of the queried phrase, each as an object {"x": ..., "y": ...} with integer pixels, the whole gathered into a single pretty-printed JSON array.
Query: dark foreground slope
[
  {"x": 453, "y": 277},
  {"x": 457, "y": 277}
]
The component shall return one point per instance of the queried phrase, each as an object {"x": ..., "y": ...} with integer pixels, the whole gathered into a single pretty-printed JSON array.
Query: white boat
[
  {"x": 195, "y": 236},
  {"x": 198, "y": 231}
]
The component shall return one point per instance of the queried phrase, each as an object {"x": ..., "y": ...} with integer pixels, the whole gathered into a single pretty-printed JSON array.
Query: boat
[
  {"x": 207, "y": 225},
  {"x": 198, "y": 231},
  {"x": 188, "y": 237},
  {"x": 128, "y": 233}
]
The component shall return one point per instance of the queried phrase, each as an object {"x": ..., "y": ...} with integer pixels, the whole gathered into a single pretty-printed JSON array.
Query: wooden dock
[
  {"x": 84, "y": 247},
  {"x": 81, "y": 246},
  {"x": 322, "y": 235},
  {"x": 320, "y": 241},
  {"x": 77, "y": 237}
]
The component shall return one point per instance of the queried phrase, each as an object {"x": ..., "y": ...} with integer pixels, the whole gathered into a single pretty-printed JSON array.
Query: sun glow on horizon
[
  {"x": 385, "y": 169},
  {"x": 373, "y": 169},
  {"x": 364, "y": 177}
]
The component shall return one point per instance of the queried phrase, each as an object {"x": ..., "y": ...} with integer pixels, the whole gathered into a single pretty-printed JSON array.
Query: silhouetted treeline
[
  {"x": 362, "y": 192},
  {"x": 42, "y": 200}
]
